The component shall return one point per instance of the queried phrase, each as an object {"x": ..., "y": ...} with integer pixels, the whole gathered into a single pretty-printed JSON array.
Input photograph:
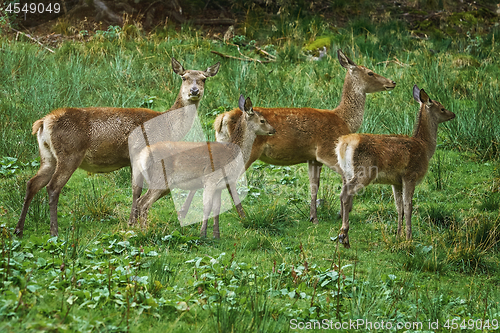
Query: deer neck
[
  {"x": 180, "y": 102},
  {"x": 426, "y": 131},
  {"x": 244, "y": 138},
  {"x": 352, "y": 104}
]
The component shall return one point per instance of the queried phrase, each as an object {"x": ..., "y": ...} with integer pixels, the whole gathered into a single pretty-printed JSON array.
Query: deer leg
[
  {"x": 216, "y": 208},
  {"x": 314, "y": 170},
  {"x": 34, "y": 185},
  {"x": 408, "y": 189},
  {"x": 137, "y": 183},
  {"x": 346, "y": 198},
  {"x": 185, "y": 207},
  {"x": 341, "y": 212},
  {"x": 233, "y": 193},
  {"x": 397, "y": 190},
  {"x": 208, "y": 197},
  {"x": 145, "y": 202},
  {"x": 63, "y": 172},
  {"x": 236, "y": 199}
]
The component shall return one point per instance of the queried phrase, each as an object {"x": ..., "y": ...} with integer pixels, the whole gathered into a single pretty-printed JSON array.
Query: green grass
[{"x": 101, "y": 275}]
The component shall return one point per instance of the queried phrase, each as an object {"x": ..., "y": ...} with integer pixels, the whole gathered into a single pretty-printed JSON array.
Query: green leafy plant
[
  {"x": 11, "y": 165},
  {"x": 147, "y": 102},
  {"x": 239, "y": 39},
  {"x": 474, "y": 43},
  {"x": 113, "y": 32}
]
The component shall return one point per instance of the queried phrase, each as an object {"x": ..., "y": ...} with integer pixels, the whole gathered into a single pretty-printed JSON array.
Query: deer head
[
  {"x": 256, "y": 122},
  {"x": 193, "y": 84},
  {"x": 368, "y": 80},
  {"x": 435, "y": 109}
]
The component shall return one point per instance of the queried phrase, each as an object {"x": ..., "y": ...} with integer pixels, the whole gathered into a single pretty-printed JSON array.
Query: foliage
[
  {"x": 111, "y": 34},
  {"x": 147, "y": 102},
  {"x": 11, "y": 165}
]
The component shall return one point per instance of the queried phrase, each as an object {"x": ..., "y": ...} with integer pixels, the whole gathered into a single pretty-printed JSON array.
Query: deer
[
  {"x": 194, "y": 165},
  {"x": 308, "y": 134},
  {"x": 396, "y": 160},
  {"x": 95, "y": 139}
]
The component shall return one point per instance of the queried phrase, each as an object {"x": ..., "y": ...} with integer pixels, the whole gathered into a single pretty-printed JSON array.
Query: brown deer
[
  {"x": 396, "y": 160},
  {"x": 307, "y": 134},
  {"x": 95, "y": 139},
  {"x": 194, "y": 165}
]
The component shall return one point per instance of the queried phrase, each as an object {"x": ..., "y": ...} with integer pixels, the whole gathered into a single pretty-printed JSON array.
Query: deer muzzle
[
  {"x": 390, "y": 87},
  {"x": 194, "y": 93}
]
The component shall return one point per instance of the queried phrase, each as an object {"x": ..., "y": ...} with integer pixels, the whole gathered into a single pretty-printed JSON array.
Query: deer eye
[
  {"x": 262, "y": 121},
  {"x": 371, "y": 74},
  {"x": 442, "y": 110},
  {"x": 183, "y": 78}
]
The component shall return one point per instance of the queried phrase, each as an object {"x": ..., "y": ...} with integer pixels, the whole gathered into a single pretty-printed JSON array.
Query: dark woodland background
[{"x": 422, "y": 16}]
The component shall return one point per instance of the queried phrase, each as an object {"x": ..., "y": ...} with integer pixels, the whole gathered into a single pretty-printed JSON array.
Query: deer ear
[
  {"x": 241, "y": 103},
  {"x": 344, "y": 60},
  {"x": 177, "y": 67},
  {"x": 248, "y": 106},
  {"x": 212, "y": 70},
  {"x": 416, "y": 93},
  {"x": 424, "y": 98}
]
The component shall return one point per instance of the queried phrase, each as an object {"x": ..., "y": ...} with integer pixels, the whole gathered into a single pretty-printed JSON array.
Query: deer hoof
[
  {"x": 18, "y": 233},
  {"x": 344, "y": 240}
]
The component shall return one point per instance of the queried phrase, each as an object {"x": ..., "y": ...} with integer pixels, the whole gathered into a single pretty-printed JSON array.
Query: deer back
[{"x": 299, "y": 131}]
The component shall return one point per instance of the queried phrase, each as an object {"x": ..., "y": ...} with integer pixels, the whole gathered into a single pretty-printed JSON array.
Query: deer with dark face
[
  {"x": 212, "y": 166},
  {"x": 95, "y": 139},
  {"x": 396, "y": 160}
]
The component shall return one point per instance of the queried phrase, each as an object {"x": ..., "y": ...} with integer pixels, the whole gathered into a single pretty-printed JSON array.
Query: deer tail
[{"x": 37, "y": 125}]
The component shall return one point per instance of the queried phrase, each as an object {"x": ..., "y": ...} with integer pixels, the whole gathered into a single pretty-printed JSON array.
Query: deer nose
[{"x": 195, "y": 91}]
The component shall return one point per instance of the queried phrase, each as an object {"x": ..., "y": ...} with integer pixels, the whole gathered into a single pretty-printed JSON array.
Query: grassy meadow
[{"x": 273, "y": 271}]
